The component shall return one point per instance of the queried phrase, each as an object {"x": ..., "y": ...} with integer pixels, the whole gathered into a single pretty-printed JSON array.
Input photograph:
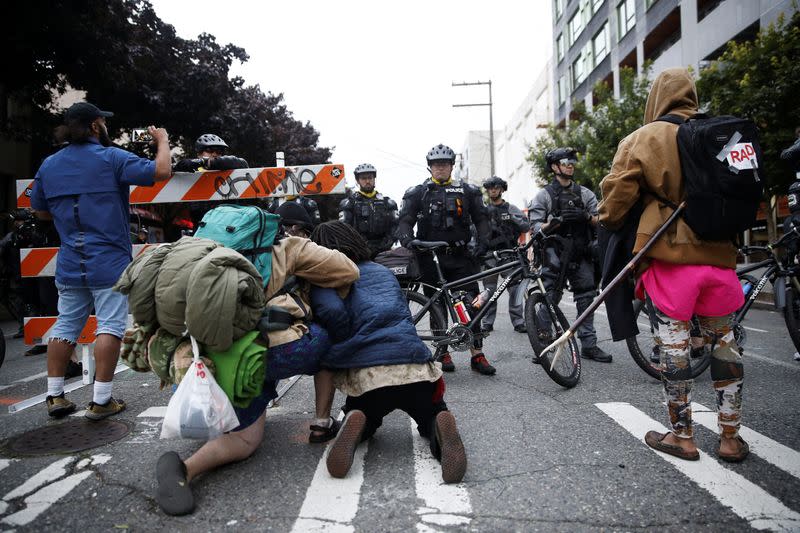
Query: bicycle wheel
[
  {"x": 791, "y": 315},
  {"x": 645, "y": 349},
  {"x": 431, "y": 323},
  {"x": 541, "y": 332}
]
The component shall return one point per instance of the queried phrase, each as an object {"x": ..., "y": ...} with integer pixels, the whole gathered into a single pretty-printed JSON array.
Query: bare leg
[
  {"x": 323, "y": 393},
  {"x": 58, "y": 354},
  {"x": 226, "y": 449},
  {"x": 106, "y": 356}
]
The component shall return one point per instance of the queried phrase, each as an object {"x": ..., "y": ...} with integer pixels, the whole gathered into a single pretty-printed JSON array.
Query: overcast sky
[{"x": 373, "y": 77}]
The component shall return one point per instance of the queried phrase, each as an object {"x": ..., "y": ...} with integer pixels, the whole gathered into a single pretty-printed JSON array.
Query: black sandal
[
  {"x": 320, "y": 434},
  {"x": 174, "y": 495}
]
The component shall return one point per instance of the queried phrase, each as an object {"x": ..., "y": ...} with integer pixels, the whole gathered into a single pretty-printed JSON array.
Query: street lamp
[{"x": 491, "y": 121}]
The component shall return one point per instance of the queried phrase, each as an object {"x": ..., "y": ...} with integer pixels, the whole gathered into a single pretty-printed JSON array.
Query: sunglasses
[{"x": 568, "y": 162}]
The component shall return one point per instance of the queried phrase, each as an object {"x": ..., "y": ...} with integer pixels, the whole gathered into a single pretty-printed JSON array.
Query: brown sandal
[
  {"x": 744, "y": 451},
  {"x": 654, "y": 439}
]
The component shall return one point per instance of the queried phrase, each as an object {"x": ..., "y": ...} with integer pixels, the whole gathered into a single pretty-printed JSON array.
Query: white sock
[
  {"x": 55, "y": 386},
  {"x": 102, "y": 392}
]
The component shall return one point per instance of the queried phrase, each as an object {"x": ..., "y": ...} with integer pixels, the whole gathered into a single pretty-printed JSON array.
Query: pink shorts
[{"x": 681, "y": 291}]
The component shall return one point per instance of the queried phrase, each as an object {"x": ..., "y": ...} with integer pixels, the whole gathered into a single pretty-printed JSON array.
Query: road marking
[
  {"x": 752, "y": 355},
  {"x": 772, "y": 451},
  {"x": 40, "y": 501},
  {"x": 157, "y": 411},
  {"x": 331, "y": 504},
  {"x": 444, "y": 505},
  {"x": 755, "y": 329},
  {"x": 744, "y": 498},
  {"x": 4, "y": 463},
  {"x": 50, "y": 473}
]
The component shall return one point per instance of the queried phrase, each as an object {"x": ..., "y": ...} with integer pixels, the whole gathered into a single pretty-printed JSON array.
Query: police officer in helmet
[
  {"x": 373, "y": 215},
  {"x": 569, "y": 210},
  {"x": 506, "y": 223},
  {"x": 210, "y": 150},
  {"x": 443, "y": 210}
]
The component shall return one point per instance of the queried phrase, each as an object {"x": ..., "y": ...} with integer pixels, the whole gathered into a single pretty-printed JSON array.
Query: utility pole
[{"x": 491, "y": 120}]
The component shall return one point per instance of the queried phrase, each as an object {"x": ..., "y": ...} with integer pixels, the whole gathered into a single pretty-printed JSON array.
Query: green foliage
[
  {"x": 595, "y": 134},
  {"x": 131, "y": 62},
  {"x": 760, "y": 80}
]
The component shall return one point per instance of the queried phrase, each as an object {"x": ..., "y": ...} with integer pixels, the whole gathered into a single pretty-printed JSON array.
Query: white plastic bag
[{"x": 199, "y": 409}]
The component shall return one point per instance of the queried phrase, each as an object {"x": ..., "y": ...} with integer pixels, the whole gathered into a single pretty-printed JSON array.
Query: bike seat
[{"x": 427, "y": 245}]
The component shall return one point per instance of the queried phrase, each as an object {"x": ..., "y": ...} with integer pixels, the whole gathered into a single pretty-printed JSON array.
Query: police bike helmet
[
  {"x": 495, "y": 181},
  {"x": 209, "y": 141},
  {"x": 793, "y": 196},
  {"x": 557, "y": 155},
  {"x": 364, "y": 168},
  {"x": 441, "y": 153}
]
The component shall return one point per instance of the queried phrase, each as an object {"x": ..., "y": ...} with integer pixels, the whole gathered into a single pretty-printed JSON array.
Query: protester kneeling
[{"x": 379, "y": 361}]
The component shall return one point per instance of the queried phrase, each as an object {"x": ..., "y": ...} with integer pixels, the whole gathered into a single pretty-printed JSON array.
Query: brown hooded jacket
[{"x": 647, "y": 160}]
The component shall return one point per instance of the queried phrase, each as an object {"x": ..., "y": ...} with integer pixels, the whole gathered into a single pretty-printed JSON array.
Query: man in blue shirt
[{"x": 84, "y": 188}]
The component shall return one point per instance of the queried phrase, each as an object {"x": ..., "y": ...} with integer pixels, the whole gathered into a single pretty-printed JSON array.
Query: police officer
[
  {"x": 443, "y": 210},
  {"x": 506, "y": 222},
  {"x": 373, "y": 215},
  {"x": 569, "y": 210},
  {"x": 210, "y": 150}
]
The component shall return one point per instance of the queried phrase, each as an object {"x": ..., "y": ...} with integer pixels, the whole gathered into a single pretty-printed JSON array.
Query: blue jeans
[{"x": 76, "y": 303}]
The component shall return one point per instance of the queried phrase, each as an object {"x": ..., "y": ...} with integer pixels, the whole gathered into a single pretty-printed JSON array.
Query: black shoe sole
[
  {"x": 340, "y": 456},
  {"x": 173, "y": 494},
  {"x": 453, "y": 455}
]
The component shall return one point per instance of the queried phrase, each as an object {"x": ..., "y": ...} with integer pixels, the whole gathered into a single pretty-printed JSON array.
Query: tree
[
  {"x": 130, "y": 61},
  {"x": 760, "y": 80},
  {"x": 595, "y": 134}
]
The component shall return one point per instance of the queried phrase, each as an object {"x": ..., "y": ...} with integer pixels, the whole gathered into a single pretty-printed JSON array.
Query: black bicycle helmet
[
  {"x": 556, "y": 155},
  {"x": 208, "y": 140},
  {"x": 441, "y": 152},
  {"x": 495, "y": 181}
]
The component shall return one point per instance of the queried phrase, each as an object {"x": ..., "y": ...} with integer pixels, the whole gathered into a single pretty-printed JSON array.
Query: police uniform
[
  {"x": 506, "y": 222},
  {"x": 445, "y": 212},
  {"x": 572, "y": 251},
  {"x": 374, "y": 216}
]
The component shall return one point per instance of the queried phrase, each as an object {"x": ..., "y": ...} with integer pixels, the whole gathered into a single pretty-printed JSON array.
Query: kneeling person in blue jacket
[{"x": 378, "y": 359}]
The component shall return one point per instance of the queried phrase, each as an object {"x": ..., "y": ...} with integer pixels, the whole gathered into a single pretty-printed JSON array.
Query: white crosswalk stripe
[{"x": 744, "y": 498}]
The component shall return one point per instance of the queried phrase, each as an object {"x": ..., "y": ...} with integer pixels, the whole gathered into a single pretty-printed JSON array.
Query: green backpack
[{"x": 247, "y": 229}]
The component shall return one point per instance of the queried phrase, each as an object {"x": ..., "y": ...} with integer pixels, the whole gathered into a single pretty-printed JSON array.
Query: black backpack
[{"x": 720, "y": 158}]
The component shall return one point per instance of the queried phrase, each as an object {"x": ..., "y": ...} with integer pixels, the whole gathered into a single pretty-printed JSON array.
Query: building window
[
  {"x": 601, "y": 44},
  {"x": 575, "y": 27},
  {"x": 626, "y": 17},
  {"x": 579, "y": 70},
  {"x": 649, "y": 3},
  {"x": 596, "y": 4},
  {"x": 560, "y": 46},
  {"x": 562, "y": 90},
  {"x": 558, "y": 8}
]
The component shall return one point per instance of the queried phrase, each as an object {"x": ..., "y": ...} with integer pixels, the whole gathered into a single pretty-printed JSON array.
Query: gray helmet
[
  {"x": 557, "y": 154},
  {"x": 209, "y": 140},
  {"x": 495, "y": 181},
  {"x": 364, "y": 168},
  {"x": 441, "y": 152}
]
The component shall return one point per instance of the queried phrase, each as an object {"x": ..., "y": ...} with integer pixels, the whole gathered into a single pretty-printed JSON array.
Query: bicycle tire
[
  {"x": 791, "y": 315},
  {"x": 567, "y": 371},
  {"x": 642, "y": 357},
  {"x": 431, "y": 323}
]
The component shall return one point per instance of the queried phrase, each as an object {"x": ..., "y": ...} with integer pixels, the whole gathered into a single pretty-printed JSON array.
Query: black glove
[
  {"x": 553, "y": 224},
  {"x": 574, "y": 214},
  {"x": 405, "y": 240},
  {"x": 481, "y": 248}
]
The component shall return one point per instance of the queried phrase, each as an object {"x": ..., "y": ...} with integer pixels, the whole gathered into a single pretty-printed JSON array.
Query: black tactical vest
[
  {"x": 503, "y": 235},
  {"x": 562, "y": 197},
  {"x": 371, "y": 215},
  {"x": 445, "y": 212}
]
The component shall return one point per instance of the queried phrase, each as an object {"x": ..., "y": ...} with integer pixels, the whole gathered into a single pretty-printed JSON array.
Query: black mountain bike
[
  {"x": 432, "y": 324},
  {"x": 782, "y": 270}
]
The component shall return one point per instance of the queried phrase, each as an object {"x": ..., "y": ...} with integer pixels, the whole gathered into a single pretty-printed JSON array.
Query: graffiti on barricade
[{"x": 266, "y": 183}]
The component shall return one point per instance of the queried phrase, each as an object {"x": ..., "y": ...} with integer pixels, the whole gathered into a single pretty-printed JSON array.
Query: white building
[
  {"x": 473, "y": 163},
  {"x": 514, "y": 144}
]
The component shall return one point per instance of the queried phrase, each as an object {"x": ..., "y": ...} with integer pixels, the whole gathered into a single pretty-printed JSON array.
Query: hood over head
[{"x": 673, "y": 92}]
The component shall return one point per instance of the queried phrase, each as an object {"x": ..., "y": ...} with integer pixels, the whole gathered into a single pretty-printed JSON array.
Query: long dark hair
[{"x": 339, "y": 236}]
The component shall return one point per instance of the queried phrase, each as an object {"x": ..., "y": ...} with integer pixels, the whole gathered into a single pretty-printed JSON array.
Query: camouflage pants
[{"x": 673, "y": 338}]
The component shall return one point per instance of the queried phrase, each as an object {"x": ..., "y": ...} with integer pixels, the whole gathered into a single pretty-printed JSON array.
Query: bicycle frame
[{"x": 519, "y": 270}]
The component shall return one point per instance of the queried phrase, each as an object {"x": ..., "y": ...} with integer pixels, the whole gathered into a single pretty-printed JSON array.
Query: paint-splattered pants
[{"x": 673, "y": 338}]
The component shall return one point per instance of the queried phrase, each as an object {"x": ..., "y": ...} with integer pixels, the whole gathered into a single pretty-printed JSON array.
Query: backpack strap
[
  {"x": 672, "y": 119},
  {"x": 554, "y": 193}
]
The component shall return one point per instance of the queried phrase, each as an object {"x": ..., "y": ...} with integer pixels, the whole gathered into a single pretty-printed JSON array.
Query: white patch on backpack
[{"x": 743, "y": 156}]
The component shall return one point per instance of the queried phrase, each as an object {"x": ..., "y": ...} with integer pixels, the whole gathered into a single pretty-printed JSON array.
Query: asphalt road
[{"x": 541, "y": 458}]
